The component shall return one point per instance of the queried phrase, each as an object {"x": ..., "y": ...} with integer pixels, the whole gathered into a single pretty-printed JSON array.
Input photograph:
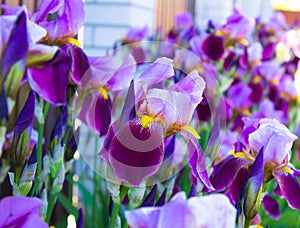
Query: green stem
[
  {"x": 116, "y": 207},
  {"x": 41, "y": 126},
  {"x": 95, "y": 182},
  {"x": 51, "y": 204},
  {"x": 247, "y": 223}
]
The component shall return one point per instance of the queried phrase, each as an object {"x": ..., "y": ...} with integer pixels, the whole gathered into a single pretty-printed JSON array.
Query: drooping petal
[
  {"x": 51, "y": 81},
  {"x": 271, "y": 206},
  {"x": 289, "y": 188},
  {"x": 225, "y": 172},
  {"x": 196, "y": 160},
  {"x": 135, "y": 152}
]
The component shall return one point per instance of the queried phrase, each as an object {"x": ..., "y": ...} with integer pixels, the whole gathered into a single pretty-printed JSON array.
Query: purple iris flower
[
  {"x": 135, "y": 148},
  {"x": 237, "y": 27},
  {"x": 208, "y": 211},
  {"x": 20, "y": 211},
  {"x": 277, "y": 142},
  {"x": 104, "y": 75},
  {"x": 61, "y": 18}
]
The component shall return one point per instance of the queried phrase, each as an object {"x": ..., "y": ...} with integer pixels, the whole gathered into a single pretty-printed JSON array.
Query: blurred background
[{"x": 108, "y": 20}]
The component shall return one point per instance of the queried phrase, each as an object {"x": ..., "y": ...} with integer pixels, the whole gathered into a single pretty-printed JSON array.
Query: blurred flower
[
  {"x": 20, "y": 211},
  {"x": 208, "y": 211}
]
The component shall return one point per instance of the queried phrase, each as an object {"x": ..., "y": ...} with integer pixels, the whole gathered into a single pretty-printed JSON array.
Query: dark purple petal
[
  {"x": 271, "y": 206},
  {"x": 80, "y": 63},
  {"x": 196, "y": 160},
  {"x": 150, "y": 198},
  {"x": 236, "y": 187},
  {"x": 17, "y": 46},
  {"x": 96, "y": 113},
  {"x": 51, "y": 81},
  {"x": 224, "y": 173},
  {"x": 80, "y": 220},
  {"x": 213, "y": 47},
  {"x": 135, "y": 152},
  {"x": 269, "y": 51},
  {"x": 3, "y": 106},
  {"x": 26, "y": 116},
  {"x": 254, "y": 187},
  {"x": 162, "y": 199},
  {"x": 289, "y": 187}
]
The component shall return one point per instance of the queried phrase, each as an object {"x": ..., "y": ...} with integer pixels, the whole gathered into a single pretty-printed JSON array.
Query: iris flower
[
  {"x": 208, "y": 211},
  {"x": 135, "y": 148}
]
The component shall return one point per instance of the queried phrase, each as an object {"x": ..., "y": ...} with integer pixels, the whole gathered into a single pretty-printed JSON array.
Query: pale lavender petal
[{"x": 122, "y": 77}]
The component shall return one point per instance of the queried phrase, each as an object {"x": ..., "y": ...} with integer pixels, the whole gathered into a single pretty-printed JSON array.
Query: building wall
[{"x": 107, "y": 20}]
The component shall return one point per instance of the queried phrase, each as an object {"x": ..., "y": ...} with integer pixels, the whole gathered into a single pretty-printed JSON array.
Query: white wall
[{"x": 107, "y": 20}]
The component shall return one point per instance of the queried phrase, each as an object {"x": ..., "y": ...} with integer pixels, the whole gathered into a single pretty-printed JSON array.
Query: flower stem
[
  {"x": 116, "y": 207},
  {"x": 51, "y": 204},
  {"x": 41, "y": 126}
]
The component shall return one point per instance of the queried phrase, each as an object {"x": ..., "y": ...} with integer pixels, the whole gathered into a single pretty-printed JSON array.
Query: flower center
[{"x": 146, "y": 120}]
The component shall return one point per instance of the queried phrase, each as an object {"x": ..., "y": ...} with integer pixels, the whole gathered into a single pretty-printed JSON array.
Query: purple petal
[
  {"x": 47, "y": 7},
  {"x": 239, "y": 94},
  {"x": 289, "y": 187},
  {"x": 192, "y": 85},
  {"x": 80, "y": 63},
  {"x": 183, "y": 20},
  {"x": 26, "y": 116},
  {"x": 158, "y": 71},
  {"x": 96, "y": 113},
  {"x": 150, "y": 198},
  {"x": 271, "y": 206},
  {"x": 136, "y": 34},
  {"x": 122, "y": 77},
  {"x": 254, "y": 187},
  {"x": 136, "y": 152},
  {"x": 196, "y": 160},
  {"x": 51, "y": 81},
  {"x": 70, "y": 18},
  {"x": 32, "y": 220},
  {"x": 143, "y": 217},
  {"x": 3, "y": 106},
  {"x": 276, "y": 139},
  {"x": 128, "y": 112},
  {"x": 224, "y": 173},
  {"x": 17, "y": 45},
  {"x": 213, "y": 47},
  {"x": 16, "y": 208}
]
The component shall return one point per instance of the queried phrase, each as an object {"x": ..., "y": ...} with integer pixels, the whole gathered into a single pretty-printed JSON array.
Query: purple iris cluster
[{"x": 199, "y": 128}]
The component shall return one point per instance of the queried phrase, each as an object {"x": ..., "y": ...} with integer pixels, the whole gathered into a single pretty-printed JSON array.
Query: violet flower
[
  {"x": 62, "y": 19},
  {"x": 208, "y": 211},
  {"x": 103, "y": 76},
  {"x": 158, "y": 113},
  {"x": 20, "y": 211}
]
